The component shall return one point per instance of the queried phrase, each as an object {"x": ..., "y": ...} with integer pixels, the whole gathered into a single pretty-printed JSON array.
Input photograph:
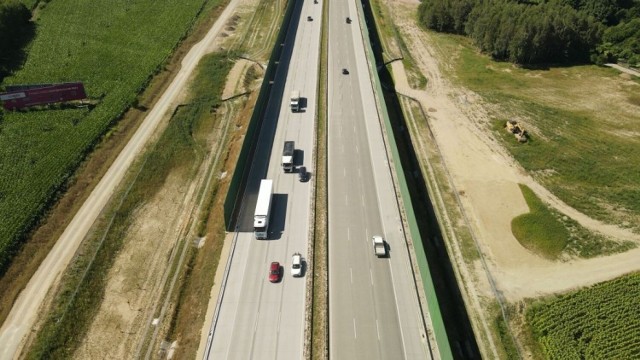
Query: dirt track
[
  {"x": 25, "y": 310},
  {"x": 486, "y": 178}
]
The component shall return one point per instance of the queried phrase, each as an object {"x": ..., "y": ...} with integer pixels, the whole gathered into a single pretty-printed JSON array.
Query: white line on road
[
  {"x": 371, "y": 276},
  {"x": 255, "y": 323},
  {"x": 355, "y": 335},
  {"x": 378, "y": 329},
  {"x": 351, "y": 272}
]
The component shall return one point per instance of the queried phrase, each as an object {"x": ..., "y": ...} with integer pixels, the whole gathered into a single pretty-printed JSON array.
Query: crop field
[
  {"x": 114, "y": 47},
  {"x": 600, "y": 322},
  {"x": 584, "y": 123}
]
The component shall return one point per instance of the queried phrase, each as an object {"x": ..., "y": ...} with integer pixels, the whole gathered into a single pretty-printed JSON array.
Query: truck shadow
[
  {"x": 303, "y": 104},
  {"x": 278, "y": 216},
  {"x": 298, "y": 158},
  {"x": 253, "y": 166}
]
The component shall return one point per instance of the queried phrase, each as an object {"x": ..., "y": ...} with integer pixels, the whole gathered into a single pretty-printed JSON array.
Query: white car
[{"x": 296, "y": 265}]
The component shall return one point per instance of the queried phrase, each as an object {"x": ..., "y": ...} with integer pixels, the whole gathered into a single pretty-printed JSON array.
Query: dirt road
[
  {"x": 486, "y": 179},
  {"x": 25, "y": 310}
]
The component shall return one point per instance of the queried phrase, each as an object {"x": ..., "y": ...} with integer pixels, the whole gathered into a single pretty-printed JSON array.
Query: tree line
[
  {"x": 543, "y": 31},
  {"x": 16, "y": 31}
]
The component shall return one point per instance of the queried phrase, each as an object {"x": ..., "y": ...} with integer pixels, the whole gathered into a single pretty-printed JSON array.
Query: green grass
[
  {"x": 600, "y": 322},
  {"x": 548, "y": 233},
  {"x": 114, "y": 47},
  {"x": 539, "y": 230},
  {"x": 583, "y": 146}
]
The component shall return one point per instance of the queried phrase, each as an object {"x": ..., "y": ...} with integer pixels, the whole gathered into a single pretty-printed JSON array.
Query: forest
[{"x": 542, "y": 31}]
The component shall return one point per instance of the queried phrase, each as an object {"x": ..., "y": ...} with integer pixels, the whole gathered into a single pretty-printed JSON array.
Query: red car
[{"x": 274, "y": 272}]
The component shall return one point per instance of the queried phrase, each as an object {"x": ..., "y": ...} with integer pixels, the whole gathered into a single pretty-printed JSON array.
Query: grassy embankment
[
  {"x": 583, "y": 122},
  {"x": 178, "y": 151},
  {"x": 41, "y": 149},
  {"x": 599, "y": 322},
  {"x": 393, "y": 46},
  {"x": 192, "y": 296}
]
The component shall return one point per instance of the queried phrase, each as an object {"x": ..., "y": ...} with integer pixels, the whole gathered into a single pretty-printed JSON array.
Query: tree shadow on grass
[{"x": 16, "y": 33}]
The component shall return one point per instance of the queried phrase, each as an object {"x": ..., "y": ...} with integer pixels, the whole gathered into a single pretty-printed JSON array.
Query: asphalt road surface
[
  {"x": 373, "y": 302},
  {"x": 25, "y": 310},
  {"x": 259, "y": 319}
]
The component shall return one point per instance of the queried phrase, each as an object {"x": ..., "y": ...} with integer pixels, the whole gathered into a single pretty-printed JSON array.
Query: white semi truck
[
  {"x": 295, "y": 101},
  {"x": 379, "y": 246},
  {"x": 263, "y": 210},
  {"x": 287, "y": 156}
]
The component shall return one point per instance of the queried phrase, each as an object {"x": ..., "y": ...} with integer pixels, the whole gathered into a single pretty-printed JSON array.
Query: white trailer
[
  {"x": 263, "y": 210},
  {"x": 295, "y": 101}
]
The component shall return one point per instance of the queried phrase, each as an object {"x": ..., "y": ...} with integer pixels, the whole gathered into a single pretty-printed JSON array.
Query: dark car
[
  {"x": 345, "y": 71},
  {"x": 303, "y": 175},
  {"x": 348, "y": 20},
  {"x": 274, "y": 272},
  {"x": 309, "y": 18}
]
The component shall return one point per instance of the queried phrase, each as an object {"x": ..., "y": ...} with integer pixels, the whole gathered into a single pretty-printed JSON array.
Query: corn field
[
  {"x": 600, "y": 322},
  {"x": 114, "y": 47}
]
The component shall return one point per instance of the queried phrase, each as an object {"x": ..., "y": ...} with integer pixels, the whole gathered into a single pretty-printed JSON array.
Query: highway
[
  {"x": 374, "y": 311},
  {"x": 258, "y": 319}
]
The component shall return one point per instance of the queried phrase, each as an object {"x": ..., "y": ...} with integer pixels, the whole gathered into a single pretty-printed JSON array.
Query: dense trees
[
  {"x": 16, "y": 30},
  {"x": 543, "y": 31}
]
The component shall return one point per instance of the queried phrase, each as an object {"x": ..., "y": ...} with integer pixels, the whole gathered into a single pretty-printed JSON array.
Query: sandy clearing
[
  {"x": 486, "y": 177},
  {"x": 233, "y": 86},
  {"x": 134, "y": 279}
]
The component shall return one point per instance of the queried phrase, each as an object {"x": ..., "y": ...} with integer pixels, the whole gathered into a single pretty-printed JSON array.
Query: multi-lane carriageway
[{"x": 373, "y": 303}]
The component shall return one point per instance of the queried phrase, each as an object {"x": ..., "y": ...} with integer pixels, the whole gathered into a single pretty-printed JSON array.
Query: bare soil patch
[
  {"x": 135, "y": 278},
  {"x": 485, "y": 177}
]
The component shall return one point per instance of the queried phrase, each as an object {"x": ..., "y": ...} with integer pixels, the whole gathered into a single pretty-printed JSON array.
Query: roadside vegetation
[
  {"x": 192, "y": 296},
  {"x": 194, "y": 125},
  {"x": 176, "y": 152},
  {"x": 96, "y": 43},
  {"x": 599, "y": 322},
  {"x": 581, "y": 121}
]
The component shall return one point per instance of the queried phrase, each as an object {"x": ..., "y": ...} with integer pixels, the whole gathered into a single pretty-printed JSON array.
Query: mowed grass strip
[
  {"x": 584, "y": 123},
  {"x": 114, "y": 47},
  {"x": 539, "y": 230},
  {"x": 600, "y": 322},
  {"x": 192, "y": 295}
]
